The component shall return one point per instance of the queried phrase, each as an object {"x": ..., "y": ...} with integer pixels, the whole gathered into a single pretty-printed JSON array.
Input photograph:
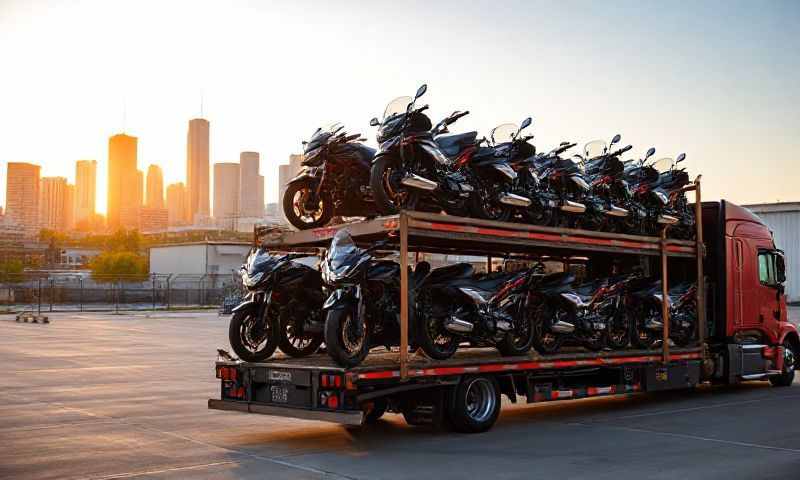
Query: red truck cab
[{"x": 747, "y": 311}]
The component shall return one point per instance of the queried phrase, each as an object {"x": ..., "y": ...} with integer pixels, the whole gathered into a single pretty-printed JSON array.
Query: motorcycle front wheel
[
  {"x": 302, "y": 213},
  {"x": 253, "y": 339},
  {"x": 345, "y": 344}
]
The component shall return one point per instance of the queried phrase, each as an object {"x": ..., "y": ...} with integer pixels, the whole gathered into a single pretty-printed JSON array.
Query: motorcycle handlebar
[
  {"x": 564, "y": 148},
  {"x": 622, "y": 150},
  {"x": 456, "y": 117}
]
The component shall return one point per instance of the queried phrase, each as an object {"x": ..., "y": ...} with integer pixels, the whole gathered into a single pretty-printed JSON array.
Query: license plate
[
  {"x": 279, "y": 394},
  {"x": 279, "y": 376}
]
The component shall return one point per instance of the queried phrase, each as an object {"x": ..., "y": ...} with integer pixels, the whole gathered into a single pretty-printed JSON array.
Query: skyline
[{"x": 682, "y": 81}]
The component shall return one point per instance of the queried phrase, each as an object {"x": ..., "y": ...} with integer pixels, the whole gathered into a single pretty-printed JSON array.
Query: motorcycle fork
[{"x": 360, "y": 311}]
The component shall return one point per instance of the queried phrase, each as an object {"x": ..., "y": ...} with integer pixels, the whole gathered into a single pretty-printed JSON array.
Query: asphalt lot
[{"x": 124, "y": 396}]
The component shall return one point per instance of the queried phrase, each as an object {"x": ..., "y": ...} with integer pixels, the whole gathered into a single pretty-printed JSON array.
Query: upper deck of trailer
[{"x": 437, "y": 233}]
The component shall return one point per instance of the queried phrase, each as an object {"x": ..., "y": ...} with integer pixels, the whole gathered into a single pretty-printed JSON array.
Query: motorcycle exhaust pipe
[
  {"x": 514, "y": 200},
  {"x": 456, "y": 325},
  {"x": 415, "y": 181},
  {"x": 562, "y": 327},
  {"x": 616, "y": 211},
  {"x": 654, "y": 325},
  {"x": 573, "y": 207},
  {"x": 667, "y": 219}
]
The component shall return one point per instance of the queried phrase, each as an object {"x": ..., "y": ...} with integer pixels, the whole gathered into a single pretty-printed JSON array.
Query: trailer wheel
[
  {"x": 374, "y": 410},
  {"x": 786, "y": 378},
  {"x": 475, "y": 404}
]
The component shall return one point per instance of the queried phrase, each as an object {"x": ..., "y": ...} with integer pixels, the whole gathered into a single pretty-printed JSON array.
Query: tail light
[
  {"x": 330, "y": 381},
  {"x": 329, "y": 400},
  {"x": 228, "y": 374}
]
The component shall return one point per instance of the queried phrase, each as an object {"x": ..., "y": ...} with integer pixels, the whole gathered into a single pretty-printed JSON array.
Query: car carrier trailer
[{"x": 740, "y": 341}]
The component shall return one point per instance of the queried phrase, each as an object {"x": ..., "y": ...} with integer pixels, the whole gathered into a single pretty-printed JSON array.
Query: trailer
[{"x": 465, "y": 390}]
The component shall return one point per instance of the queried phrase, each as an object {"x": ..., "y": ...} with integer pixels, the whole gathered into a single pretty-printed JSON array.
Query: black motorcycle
[
  {"x": 416, "y": 167},
  {"x": 454, "y": 306},
  {"x": 363, "y": 310},
  {"x": 591, "y": 315},
  {"x": 605, "y": 172},
  {"x": 334, "y": 180},
  {"x": 281, "y": 308},
  {"x": 645, "y": 311}
]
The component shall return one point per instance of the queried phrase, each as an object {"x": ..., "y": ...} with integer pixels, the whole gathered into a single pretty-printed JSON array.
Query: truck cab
[{"x": 748, "y": 307}]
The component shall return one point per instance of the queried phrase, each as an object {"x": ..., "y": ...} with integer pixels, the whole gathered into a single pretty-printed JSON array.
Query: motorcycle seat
[
  {"x": 451, "y": 145},
  {"x": 491, "y": 282},
  {"x": 450, "y": 272}
]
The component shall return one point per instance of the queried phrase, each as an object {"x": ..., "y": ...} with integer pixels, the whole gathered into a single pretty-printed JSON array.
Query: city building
[
  {"x": 153, "y": 219},
  {"x": 198, "y": 168},
  {"x": 124, "y": 183},
  {"x": 177, "y": 205},
  {"x": 251, "y": 186},
  {"x": 85, "y": 190},
  {"x": 155, "y": 187},
  {"x": 226, "y": 195},
  {"x": 69, "y": 207},
  {"x": 198, "y": 258},
  {"x": 52, "y": 203},
  {"x": 784, "y": 220},
  {"x": 22, "y": 196}
]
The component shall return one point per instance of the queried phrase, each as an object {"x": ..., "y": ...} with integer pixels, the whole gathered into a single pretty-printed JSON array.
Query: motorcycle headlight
[
  {"x": 332, "y": 275},
  {"x": 311, "y": 154},
  {"x": 252, "y": 281},
  {"x": 661, "y": 196}
]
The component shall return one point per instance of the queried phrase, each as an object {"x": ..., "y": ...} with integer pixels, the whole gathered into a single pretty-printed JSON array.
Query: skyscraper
[
  {"x": 69, "y": 207},
  {"x": 177, "y": 204},
  {"x": 52, "y": 203},
  {"x": 22, "y": 195},
  {"x": 226, "y": 194},
  {"x": 197, "y": 168},
  {"x": 155, "y": 187},
  {"x": 85, "y": 189},
  {"x": 124, "y": 182},
  {"x": 251, "y": 203}
]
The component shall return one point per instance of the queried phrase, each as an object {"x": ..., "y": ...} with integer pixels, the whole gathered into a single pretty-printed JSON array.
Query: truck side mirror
[{"x": 780, "y": 267}]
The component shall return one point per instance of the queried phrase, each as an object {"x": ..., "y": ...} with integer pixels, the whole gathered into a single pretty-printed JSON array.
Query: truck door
[{"x": 770, "y": 288}]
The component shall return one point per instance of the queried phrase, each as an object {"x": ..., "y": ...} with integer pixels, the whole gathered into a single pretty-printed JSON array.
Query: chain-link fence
[{"x": 61, "y": 292}]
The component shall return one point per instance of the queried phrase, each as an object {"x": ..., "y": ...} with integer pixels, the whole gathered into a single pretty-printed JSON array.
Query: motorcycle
[
  {"x": 500, "y": 193},
  {"x": 605, "y": 170},
  {"x": 364, "y": 307},
  {"x": 645, "y": 311},
  {"x": 673, "y": 181},
  {"x": 591, "y": 314},
  {"x": 334, "y": 180},
  {"x": 414, "y": 166},
  {"x": 489, "y": 310},
  {"x": 281, "y": 308}
]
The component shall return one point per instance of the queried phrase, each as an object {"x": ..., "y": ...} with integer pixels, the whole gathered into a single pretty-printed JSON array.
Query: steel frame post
[
  {"x": 701, "y": 284},
  {"x": 404, "y": 306},
  {"x": 664, "y": 296}
]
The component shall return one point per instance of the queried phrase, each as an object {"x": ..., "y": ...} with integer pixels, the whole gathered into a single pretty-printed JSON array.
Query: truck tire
[
  {"x": 475, "y": 404},
  {"x": 786, "y": 378}
]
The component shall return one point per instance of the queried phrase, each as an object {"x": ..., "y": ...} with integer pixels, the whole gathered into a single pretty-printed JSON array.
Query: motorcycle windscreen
[
  {"x": 260, "y": 260},
  {"x": 343, "y": 252},
  {"x": 397, "y": 106}
]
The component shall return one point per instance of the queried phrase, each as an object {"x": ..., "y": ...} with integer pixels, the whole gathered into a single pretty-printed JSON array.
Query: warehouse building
[
  {"x": 198, "y": 258},
  {"x": 784, "y": 221}
]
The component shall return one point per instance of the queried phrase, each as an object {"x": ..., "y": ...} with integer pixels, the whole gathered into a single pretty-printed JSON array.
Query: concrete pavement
[{"x": 124, "y": 396}]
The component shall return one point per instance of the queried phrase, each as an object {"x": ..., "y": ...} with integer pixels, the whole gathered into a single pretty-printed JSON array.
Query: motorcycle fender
[
  {"x": 340, "y": 299},
  {"x": 386, "y": 149},
  {"x": 302, "y": 177},
  {"x": 244, "y": 306}
]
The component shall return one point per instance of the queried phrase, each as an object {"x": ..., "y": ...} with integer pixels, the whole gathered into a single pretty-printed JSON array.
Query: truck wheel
[
  {"x": 374, "y": 410},
  {"x": 475, "y": 404},
  {"x": 786, "y": 378}
]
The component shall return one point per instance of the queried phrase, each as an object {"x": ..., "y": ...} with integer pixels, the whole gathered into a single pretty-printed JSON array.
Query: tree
[
  {"x": 11, "y": 270},
  {"x": 124, "y": 241},
  {"x": 114, "y": 266}
]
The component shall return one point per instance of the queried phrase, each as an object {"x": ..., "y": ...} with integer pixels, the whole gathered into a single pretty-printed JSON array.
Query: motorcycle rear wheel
[
  {"x": 544, "y": 341},
  {"x": 296, "y": 212},
  {"x": 385, "y": 184},
  {"x": 297, "y": 345},
  {"x": 435, "y": 341},
  {"x": 519, "y": 340},
  {"x": 483, "y": 206}
]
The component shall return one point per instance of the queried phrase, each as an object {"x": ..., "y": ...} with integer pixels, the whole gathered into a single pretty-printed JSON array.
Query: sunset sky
[{"x": 717, "y": 80}]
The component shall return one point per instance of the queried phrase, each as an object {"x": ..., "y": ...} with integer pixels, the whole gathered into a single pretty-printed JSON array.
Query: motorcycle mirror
[
  {"x": 421, "y": 91},
  {"x": 374, "y": 122},
  {"x": 650, "y": 152},
  {"x": 616, "y": 139},
  {"x": 680, "y": 158},
  {"x": 563, "y": 143},
  {"x": 525, "y": 124}
]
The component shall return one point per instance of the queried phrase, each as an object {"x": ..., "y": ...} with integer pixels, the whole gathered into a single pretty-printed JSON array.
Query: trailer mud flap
[{"x": 671, "y": 377}]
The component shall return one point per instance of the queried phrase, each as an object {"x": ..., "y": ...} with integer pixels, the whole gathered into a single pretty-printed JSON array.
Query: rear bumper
[{"x": 344, "y": 418}]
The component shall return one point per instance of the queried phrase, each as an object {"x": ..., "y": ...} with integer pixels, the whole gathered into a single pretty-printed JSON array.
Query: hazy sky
[{"x": 717, "y": 80}]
